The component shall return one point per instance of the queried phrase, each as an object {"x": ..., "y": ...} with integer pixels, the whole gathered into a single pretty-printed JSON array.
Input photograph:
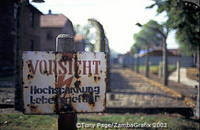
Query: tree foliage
[
  {"x": 185, "y": 19},
  {"x": 84, "y": 30},
  {"x": 148, "y": 37}
]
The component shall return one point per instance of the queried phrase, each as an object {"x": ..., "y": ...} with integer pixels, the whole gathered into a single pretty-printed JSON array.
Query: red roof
[
  {"x": 78, "y": 37},
  {"x": 53, "y": 20},
  {"x": 157, "y": 52}
]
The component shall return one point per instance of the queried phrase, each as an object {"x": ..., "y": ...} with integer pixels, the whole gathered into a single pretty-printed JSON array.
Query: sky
[{"x": 118, "y": 17}]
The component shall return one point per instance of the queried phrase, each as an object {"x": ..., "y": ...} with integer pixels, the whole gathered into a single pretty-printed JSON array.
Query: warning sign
[{"x": 64, "y": 82}]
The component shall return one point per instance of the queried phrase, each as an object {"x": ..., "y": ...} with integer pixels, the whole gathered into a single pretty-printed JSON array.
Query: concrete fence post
[
  {"x": 178, "y": 71},
  {"x": 160, "y": 70},
  {"x": 147, "y": 66}
]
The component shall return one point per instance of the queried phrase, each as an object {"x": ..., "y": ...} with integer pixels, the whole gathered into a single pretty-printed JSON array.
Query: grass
[
  {"x": 27, "y": 122},
  {"x": 47, "y": 122},
  {"x": 155, "y": 68}
]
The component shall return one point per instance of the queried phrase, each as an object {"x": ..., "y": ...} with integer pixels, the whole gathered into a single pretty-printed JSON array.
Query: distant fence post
[
  {"x": 147, "y": 66},
  {"x": 137, "y": 64},
  {"x": 160, "y": 69},
  {"x": 178, "y": 71}
]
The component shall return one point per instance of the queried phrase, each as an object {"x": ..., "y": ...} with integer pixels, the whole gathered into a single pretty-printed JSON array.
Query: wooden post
[
  {"x": 198, "y": 94},
  {"x": 178, "y": 70},
  {"x": 18, "y": 55},
  {"x": 66, "y": 121},
  {"x": 198, "y": 104}
]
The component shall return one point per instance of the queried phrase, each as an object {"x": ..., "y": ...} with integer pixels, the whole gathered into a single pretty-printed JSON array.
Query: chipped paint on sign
[{"x": 64, "y": 82}]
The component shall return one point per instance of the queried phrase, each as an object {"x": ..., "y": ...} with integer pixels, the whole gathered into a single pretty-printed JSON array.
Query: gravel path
[{"x": 128, "y": 90}]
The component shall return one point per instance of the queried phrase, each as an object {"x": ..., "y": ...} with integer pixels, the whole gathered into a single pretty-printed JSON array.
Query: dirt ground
[{"x": 129, "y": 90}]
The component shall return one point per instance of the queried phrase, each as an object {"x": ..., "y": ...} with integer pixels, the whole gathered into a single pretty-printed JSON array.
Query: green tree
[
  {"x": 185, "y": 20},
  {"x": 184, "y": 17},
  {"x": 149, "y": 37}
]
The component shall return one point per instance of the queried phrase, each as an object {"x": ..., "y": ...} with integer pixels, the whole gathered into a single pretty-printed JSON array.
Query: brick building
[
  {"x": 8, "y": 35},
  {"x": 51, "y": 26},
  {"x": 24, "y": 28},
  {"x": 30, "y": 28},
  {"x": 19, "y": 31},
  {"x": 80, "y": 42}
]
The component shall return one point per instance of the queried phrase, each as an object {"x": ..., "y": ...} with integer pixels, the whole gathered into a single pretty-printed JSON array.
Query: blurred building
[
  {"x": 24, "y": 28},
  {"x": 19, "y": 31},
  {"x": 8, "y": 34},
  {"x": 29, "y": 27},
  {"x": 79, "y": 42},
  {"x": 51, "y": 26},
  {"x": 155, "y": 57},
  {"x": 126, "y": 60}
]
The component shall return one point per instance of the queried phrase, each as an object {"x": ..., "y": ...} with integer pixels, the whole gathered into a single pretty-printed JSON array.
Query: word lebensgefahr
[{"x": 67, "y": 95}]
